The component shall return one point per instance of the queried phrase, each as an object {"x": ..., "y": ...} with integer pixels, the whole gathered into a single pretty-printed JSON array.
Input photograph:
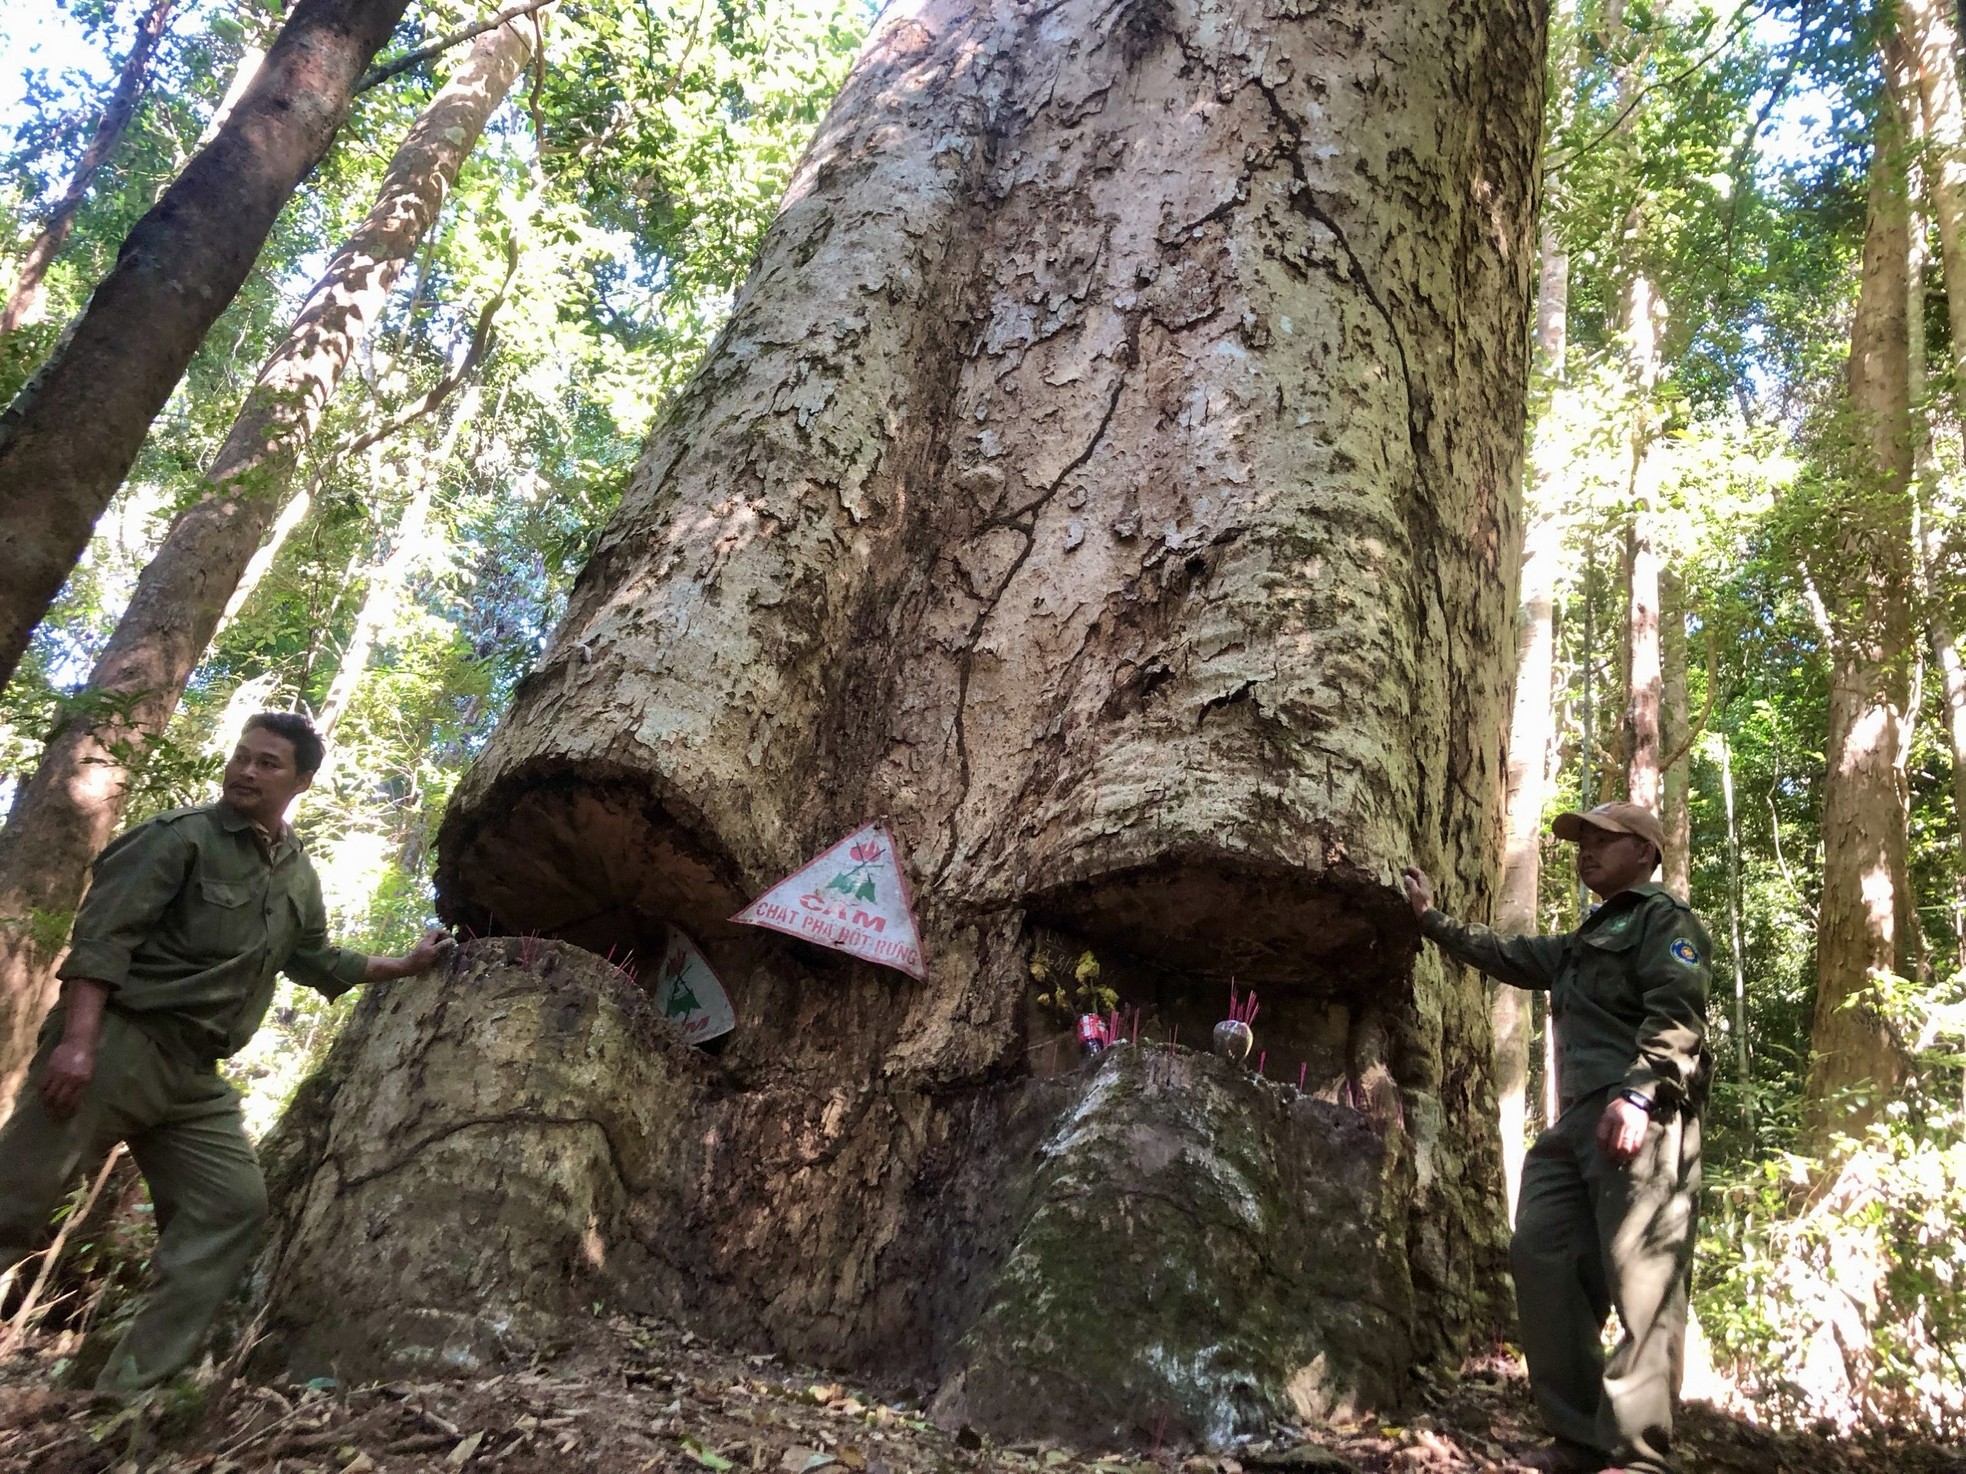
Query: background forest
[{"x": 1741, "y": 586}]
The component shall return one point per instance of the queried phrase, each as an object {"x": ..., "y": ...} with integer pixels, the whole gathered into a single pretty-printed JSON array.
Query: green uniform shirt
[
  {"x": 189, "y": 917},
  {"x": 1628, "y": 990}
]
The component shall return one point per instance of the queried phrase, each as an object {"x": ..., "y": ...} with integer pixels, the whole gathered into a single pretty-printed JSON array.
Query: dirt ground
[{"x": 640, "y": 1396}]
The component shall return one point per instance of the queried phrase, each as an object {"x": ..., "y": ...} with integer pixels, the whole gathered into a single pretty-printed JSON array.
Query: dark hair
[{"x": 308, "y": 747}]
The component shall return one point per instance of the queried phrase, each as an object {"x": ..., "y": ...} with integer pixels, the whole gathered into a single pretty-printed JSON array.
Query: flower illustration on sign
[{"x": 858, "y": 881}]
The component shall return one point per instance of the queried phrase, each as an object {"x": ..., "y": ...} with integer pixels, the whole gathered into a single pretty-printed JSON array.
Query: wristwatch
[{"x": 1637, "y": 1098}]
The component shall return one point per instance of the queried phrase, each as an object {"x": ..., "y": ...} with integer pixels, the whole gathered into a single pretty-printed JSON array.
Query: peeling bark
[
  {"x": 1107, "y": 474},
  {"x": 69, "y": 809},
  {"x": 71, "y": 434}
]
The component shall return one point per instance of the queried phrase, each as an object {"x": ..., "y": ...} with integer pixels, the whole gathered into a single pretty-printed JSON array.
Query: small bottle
[{"x": 1094, "y": 1036}]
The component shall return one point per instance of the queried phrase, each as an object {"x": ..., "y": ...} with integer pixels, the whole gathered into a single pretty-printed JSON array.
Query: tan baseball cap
[{"x": 1618, "y": 818}]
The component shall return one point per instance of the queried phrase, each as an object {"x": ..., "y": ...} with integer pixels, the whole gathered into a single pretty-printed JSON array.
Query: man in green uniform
[
  {"x": 170, "y": 969},
  {"x": 1610, "y": 1192}
]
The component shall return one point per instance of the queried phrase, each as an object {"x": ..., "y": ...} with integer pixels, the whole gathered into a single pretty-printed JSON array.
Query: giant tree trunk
[
  {"x": 70, "y": 436},
  {"x": 1106, "y": 475},
  {"x": 71, "y": 805},
  {"x": 24, "y": 297},
  {"x": 1866, "y": 918}
]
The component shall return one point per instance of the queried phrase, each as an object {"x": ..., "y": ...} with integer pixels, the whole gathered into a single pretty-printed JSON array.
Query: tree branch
[
  {"x": 1747, "y": 17},
  {"x": 376, "y": 76},
  {"x": 443, "y": 389}
]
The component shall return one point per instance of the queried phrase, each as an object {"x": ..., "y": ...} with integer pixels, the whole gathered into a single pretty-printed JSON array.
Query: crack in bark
[
  {"x": 1423, "y": 524},
  {"x": 507, "y": 1118},
  {"x": 1028, "y": 530}
]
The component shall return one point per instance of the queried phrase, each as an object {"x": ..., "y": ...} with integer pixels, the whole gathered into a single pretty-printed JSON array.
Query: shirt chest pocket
[
  {"x": 230, "y": 918},
  {"x": 1605, "y": 967}
]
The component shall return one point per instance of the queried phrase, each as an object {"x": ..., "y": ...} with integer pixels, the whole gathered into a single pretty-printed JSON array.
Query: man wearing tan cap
[{"x": 1610, "y": 1192}]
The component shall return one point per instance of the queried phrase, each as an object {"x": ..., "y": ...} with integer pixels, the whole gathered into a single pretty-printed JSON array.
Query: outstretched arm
[
  {"x": 1522, "y": 962},
  {"x": 317, "y": 963},
  {"x": 433, "y": 948}
]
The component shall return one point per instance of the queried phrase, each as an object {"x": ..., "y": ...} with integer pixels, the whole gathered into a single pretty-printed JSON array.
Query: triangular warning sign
[
  {"x": 854, "y": 898},
  {"x": 687, "y": 991}
]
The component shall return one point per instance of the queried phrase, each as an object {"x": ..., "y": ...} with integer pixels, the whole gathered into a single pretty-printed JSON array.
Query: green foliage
[{"x": 1836, "y": 1288}]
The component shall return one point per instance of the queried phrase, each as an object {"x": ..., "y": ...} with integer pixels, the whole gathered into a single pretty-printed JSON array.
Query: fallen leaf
[
  {"x": 852, "y": 1457},
  {"x": 360, "y": 1464},
  {"x": 461, "y": 1455},
  {"x": 708, "y": 1458}
]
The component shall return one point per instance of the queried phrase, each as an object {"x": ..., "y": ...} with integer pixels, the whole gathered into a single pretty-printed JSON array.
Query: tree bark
[
  {"x": 24, "y": 299},
  {"x": 71, "y": 434},
  {"x": 1107, "y": 474},
  {"x": 1867, "y": 925},
  {"x": 70, "y": 807}
]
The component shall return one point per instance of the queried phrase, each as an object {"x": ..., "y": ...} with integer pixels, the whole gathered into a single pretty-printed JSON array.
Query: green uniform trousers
[
  {"x": 183, "y": 1126},
  {"x": 1590, "y": 1238}
]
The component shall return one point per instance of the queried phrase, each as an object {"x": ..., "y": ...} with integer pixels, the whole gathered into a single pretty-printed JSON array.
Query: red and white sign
[
  {"x": 687, "y": 991},
  {"x": 854, "y": 899}
]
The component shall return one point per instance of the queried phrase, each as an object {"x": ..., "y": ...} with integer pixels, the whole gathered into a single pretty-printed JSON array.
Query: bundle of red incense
[{"x": 1242, "y": 1011}]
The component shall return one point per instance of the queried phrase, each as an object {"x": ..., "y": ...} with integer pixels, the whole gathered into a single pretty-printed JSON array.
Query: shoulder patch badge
[{"x": 1686, "y": 952}]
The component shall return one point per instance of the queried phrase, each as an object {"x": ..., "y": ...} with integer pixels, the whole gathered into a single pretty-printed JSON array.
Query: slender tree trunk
[
  {"x": 24, "y": 300},
  {"x": 72, "y": 803},
  {"x": 1676, "y": 736},
  {"x": 1952, "y": 675},
  {"x": 1931, "y": 36},
  {"x": 70, "y": 436},
  {"x": 1552, "y": 302},
  {"x": 1867, "y": 923},
  {"x": 301, "y": 502},
  {"x": 1531, "y": 727},
  {"x": 1736, "y": 936},
  {"x": 1094, "y": 498},
  {"x": 1644, "y": 782}
]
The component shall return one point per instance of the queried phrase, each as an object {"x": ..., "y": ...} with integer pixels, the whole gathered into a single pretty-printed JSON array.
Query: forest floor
[{"x": 637, "y": 1397}]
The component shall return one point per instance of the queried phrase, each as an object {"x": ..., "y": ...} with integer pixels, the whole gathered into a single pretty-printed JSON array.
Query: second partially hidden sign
[
  {"x": 853, "y": 898},
  {"x": 688, "y": 991}
]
